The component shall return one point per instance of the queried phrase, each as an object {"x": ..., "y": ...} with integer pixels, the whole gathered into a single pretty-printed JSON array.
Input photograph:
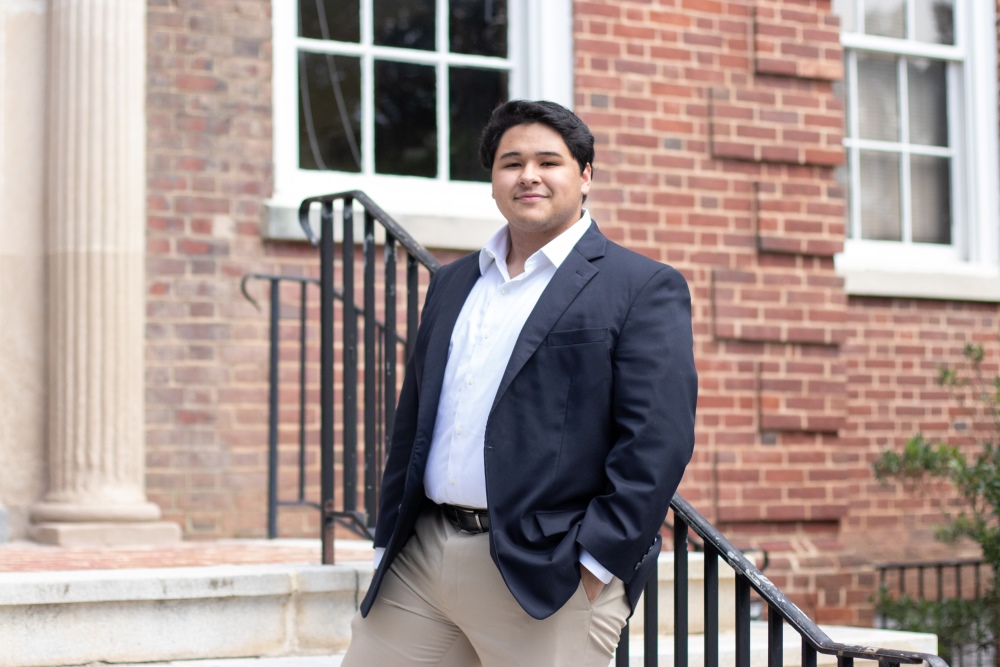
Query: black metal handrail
[
  {"x": 781, "y": 610},
  {"x": 376, "y": 431},
  {"x": 938, "y": 567},
  {"x": 277, "y": 307},
  {"x": 379, "y": 414},
  {"x": 955, "y": 579}
]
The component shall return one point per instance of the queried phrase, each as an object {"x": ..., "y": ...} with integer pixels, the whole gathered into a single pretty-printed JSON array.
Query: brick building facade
[
  {"x": 720, "y": 130},
  {"x": 719, "y": 135}
]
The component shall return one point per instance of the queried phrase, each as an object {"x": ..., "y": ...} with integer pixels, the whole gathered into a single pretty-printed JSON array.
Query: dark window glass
[
  {"x": 881, "y": 218},
  {"x": 878, "y": 97},
  {"x": 930, "y": 190},
  {"x": 928, "y": 101},
  {"x": 407, "y": 24},
  {"x": 405, "y": 119},
  {"x": 329, "y": 112},
  {"x": 478, "y": 27},
  {"x": 337, "y": 20},
  {"x": 473, "y": 95}
]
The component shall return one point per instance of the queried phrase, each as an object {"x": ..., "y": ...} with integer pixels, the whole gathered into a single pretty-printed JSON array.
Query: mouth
[{"x": 529, "y": 197}]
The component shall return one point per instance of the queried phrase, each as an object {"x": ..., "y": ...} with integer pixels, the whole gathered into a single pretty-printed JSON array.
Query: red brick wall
[
  {"x": 209, "y": 162},
  {"x": 718, "y": 133},
  {"x": 210, "y": 171}
]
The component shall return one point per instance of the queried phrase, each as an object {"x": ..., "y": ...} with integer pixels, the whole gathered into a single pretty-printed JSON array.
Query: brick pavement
[{"x": 31, "y": 557}]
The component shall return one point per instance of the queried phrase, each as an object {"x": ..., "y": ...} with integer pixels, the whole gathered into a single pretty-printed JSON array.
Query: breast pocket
[{"x": 576, "y": 337}]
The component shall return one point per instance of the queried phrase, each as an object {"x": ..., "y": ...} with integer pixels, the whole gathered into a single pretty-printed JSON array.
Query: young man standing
[{"x": 545, "y": 420}]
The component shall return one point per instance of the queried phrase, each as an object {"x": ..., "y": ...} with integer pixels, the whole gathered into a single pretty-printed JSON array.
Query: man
[{"x": 545, "y": 420}]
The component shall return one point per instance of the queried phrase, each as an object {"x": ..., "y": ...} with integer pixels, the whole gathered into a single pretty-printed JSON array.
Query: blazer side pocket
[
  {"x": 576, "y": 336},
  {"x": 557, "y": 522}
]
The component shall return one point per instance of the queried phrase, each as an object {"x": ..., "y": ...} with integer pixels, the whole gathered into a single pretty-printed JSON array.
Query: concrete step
[
  {"x": 52, "y": 619},
  {"x": 758, "y": 638}
]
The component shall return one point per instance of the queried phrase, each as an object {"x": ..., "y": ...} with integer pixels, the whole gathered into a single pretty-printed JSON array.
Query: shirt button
[
  {"x": 468, "y": 379},
  {"x": 486, "y": 335},
  {"x": 452, "y": 481},
  {"x": 504, "y": 290},
  {"x": 458, "y": 430}
]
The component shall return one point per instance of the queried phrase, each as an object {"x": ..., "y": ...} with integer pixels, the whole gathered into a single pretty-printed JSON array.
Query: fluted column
[{"x": 96, "y": 221}]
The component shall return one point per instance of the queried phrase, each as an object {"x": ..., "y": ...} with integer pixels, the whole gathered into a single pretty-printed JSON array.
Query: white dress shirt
[{"x": 481, "y": 344}]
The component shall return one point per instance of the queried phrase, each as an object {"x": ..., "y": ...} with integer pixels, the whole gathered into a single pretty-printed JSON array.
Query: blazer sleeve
[{"x": 654, "y": 392}]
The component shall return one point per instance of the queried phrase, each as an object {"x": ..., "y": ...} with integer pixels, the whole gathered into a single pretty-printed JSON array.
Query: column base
[{"x": 105, "y": 534}]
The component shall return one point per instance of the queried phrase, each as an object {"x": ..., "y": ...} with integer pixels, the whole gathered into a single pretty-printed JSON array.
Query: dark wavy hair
[{"x": 574, "y": 131}]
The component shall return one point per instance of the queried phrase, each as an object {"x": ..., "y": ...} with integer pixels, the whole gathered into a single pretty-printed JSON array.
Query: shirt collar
[{"x": 555, "y": 250}]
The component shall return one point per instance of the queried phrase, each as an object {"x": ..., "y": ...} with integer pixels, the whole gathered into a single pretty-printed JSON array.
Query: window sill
[
  {"x": 281, "y": 223},
  {"x": 965, "y": 286}
]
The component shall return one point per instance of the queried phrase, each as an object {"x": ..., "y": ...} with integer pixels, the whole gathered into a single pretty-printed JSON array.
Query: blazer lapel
[
  {"x": 571, "y": 277},
  {"x": 436, "y": 357}
]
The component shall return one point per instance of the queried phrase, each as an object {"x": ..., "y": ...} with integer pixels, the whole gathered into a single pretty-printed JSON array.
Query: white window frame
[
  {"x": 438, "y": 212},
  {"x": 969, "y": 268}
]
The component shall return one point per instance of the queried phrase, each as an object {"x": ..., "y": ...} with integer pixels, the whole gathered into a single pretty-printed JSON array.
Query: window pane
[
  {"x": 329, "y": 112},
  {"x": 338, "y": 20},
  {"x": 407, "y": 24},
  {"x": 878, "y": 111},
  {"x": 880, "y": 210},
  {"x": 405, "y": 119},
  {"x": 931, "y": 199},
  {"x": 885, "y": 17},
  {"x": 478, "y": 27},
  {"x": 474, "y": 93},
  {"x": 928, "y": 93},
  {"x": 935, "y": 21}
]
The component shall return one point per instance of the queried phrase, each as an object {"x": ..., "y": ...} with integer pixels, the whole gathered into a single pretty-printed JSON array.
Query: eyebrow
[{"x": 539, "y": 153}]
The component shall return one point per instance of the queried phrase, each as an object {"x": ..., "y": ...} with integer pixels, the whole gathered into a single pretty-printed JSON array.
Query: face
[{"x": 537, "y": 183}]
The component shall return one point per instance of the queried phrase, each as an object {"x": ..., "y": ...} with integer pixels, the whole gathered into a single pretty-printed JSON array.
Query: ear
[{"x": 585, "y": 178}]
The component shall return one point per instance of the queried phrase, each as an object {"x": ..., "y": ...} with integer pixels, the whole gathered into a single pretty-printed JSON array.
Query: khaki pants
[{"x": 444, "y": 603}]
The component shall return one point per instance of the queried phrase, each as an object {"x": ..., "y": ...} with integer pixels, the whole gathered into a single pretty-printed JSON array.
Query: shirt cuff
[
  {"x": 379, "y": 552},
  {"x": 595, "y": 568}
]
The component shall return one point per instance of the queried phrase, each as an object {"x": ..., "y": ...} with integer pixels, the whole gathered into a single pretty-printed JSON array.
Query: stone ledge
[
  {"x": 70, "y": 618},
  {"x": 52, "y": 619}
]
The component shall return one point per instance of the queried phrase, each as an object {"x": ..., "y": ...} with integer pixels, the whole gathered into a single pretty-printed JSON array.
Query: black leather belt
[{"x": 465, "y": 519}]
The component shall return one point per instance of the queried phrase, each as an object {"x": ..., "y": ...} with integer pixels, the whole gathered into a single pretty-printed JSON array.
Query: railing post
[
  {"x": 272, "y": 418},
  {"x": 389, "y": 348},
  {"x": 303, "y": 338},
  {"x": 711, "y": 605},
  {"x": 371, "y": 403},
  {"x": 680, "y": 591},
  {"x": 775, "y": 641},
  {"x": 412, "y": 308},
  {"x": 621, "y": 653},
  {"x": 326, "y": 377},
  {"x": 651, "y": 620},
  {"x": 742, "y": 621},
  {"x": 808, "y": 654},
  {"x": 349, "y": 374}
]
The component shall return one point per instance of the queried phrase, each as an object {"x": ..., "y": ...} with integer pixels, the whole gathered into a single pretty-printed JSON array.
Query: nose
[{"x": 529, "y": 174}]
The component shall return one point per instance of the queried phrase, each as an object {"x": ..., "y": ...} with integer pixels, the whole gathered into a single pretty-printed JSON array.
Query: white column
[{"x": 96, "y": 224}]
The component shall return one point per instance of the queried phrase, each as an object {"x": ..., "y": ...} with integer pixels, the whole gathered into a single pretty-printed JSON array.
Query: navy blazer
[{"x": 590, "y": 430}]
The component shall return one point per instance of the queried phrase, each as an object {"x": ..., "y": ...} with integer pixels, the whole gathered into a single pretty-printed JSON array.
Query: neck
[{"x": 524, "y": 244}]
